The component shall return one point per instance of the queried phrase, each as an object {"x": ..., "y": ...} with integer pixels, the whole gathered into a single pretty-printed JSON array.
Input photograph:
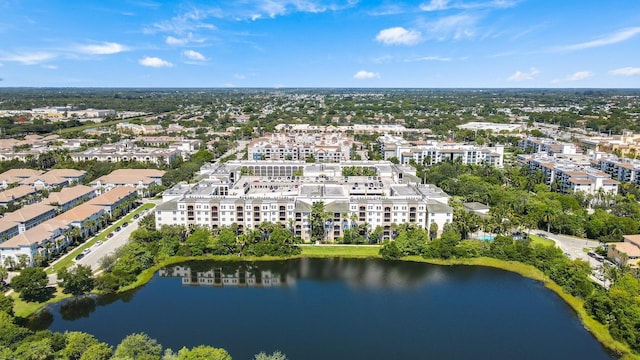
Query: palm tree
[
  {"x": 10, "y": 262},
  {"x": 549, "y": 215},
  {"x": 23, "y": 260}
]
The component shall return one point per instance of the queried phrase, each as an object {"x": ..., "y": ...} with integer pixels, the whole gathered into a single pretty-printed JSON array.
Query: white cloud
[
  {"x": 154, "y": 62},
  {"x": 580, "y": 75},
  {"x": 189, "y": 21},
  {"x": 50, "y": 67},
  {"x": 240, "y": 76},
  {"x": 389, "y": 9},
  {"x": 398, "y": 36},
  {"x": 106, "y": 48},
  {"x": 363, "y": 74},
  {"x": 524, "y": 76},
  {"x": 175, "y": 41},
  {"x": 620, "y": 36},
  {"x": 626, "y": 71},
  {"x": 452, "y": 27},
  {"x": 28, "y": 58},
  {"x": 194, "y": 55},
  {"x": 577, "y": 76},
  {"x": 429, "y": 58},
  {"x": 181, "y": 41},
  {"x": 437, "y": 5}
]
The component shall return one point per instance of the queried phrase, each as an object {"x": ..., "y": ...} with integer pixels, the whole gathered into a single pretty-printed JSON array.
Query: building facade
[{"x": 247, "y": 193}]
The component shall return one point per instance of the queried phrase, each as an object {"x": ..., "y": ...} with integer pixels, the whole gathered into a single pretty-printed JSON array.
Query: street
[
  {"x": 575, "y": 248},
  {"x": 119, "y": 238}
]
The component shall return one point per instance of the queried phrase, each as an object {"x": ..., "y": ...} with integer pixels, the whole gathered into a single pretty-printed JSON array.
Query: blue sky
[{"x": 320, "y": 43}]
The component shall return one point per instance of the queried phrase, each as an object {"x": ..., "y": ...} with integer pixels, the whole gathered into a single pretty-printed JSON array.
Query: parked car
[
  {"x": 86, "y": 251},
  {"x": 117, "y": 229},
  {"x": 125, "y": 224},
  {"x": 80, "y": 256},
  {"x": 99, "y": 242},
  {"x": 136, "y": 216},
  {"x": 109, "y": 235}
]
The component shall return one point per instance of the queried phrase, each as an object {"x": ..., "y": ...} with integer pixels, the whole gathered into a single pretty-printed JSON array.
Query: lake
[{"x": 340, "y": 309}]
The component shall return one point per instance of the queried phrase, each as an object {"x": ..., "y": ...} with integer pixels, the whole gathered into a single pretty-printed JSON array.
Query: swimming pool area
[{"x": 486, "y": 237}]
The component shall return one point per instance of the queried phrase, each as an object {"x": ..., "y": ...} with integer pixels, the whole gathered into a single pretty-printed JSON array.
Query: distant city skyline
[{"x": 321, "y": 43}]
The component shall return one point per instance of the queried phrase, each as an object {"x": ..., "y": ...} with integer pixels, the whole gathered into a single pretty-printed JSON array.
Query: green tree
[
  {"x": 277, "y": 355},
  {"x": 203, "y": 352},
  {"x": 35, "y": 350},
  {"x": 6, "y": 304},
  {"x": 10, "y": 333},
  {"x": 138, "y": 346},
  {"x": 99, "y": 351},
  {"x": 77, "y": 281},
  {"x": 4, "y": 273},
  {"x": 77, "y": 343},
  {"x": 318, "y": 218},
  {"x": 32, "y": 283}
]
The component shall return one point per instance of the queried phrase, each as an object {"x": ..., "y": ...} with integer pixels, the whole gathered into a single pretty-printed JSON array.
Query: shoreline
[{"x": 598, "y": 330}]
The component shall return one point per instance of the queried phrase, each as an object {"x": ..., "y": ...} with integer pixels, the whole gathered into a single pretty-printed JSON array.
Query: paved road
[
  {"x": 575, "y": 248},
  {"x": 119, "y": 238}
]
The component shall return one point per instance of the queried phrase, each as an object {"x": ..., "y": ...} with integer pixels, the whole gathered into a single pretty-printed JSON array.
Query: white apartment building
[
  {"x": 395, "y": 129},
  {"x": 566, "y": 176},
  {"x": 250, "y": 192},
  {"x": 127, "y": 151},
  {"x": 324, "y": 147},
  {"x": 434, "y": 152},
  {"x": 548, "y": 146},
  {"x": 623, "y": 170}
]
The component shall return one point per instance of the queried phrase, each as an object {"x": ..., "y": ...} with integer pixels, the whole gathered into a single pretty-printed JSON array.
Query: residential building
[
  {"x": 565, "y": 176},
  {"x": 21, "y": 194},
  {"x": 56, "y": 178},
  {"x": 140, "y": 179},
  {"x": 69, "y": 197},
  {"x": 33, "y": 241},
  {"x": 29, "y": 216},
  {"x": 548, "y": 146},
  {"x": 128, "y": 151},
  {"x": 15, "y": 176},
  {"x": 394, "y": 129},
  {"x": 136, "y": 129},
  {"x": 323, "y": 147},
  {"x": 119, "y": 197},
  {"x": 493, "y": 127},
  {"x": 626, "y": 253},
  {"x": 247, "y": 193},
  {"x": 434, "y": 152}
]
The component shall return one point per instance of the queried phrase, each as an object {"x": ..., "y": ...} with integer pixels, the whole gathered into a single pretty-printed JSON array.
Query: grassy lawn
[
  {"x": 24, "y": 309},
  {"x": 539, "y": 240},
  {"x": 338, "y": 250},
  {"x": 67, "y": 260}
]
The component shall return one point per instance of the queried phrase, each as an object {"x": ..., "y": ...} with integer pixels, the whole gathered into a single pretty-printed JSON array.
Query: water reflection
[
  {"x": 355, "y": 273},
  {"x": 228, "y": 274}
]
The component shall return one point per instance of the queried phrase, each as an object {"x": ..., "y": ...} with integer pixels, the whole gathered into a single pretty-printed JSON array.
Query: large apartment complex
[
  {"x": 434, "y": 152},
  {"x": 323, "y": 147},
  {"x": 250, "y": 192}
]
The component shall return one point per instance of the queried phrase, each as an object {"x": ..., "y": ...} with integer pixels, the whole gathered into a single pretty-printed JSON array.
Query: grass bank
[
  {"x": 25, "y": 309},
  {"x": 355, "y": 251},
  {"x": 539, "y": 240}
]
